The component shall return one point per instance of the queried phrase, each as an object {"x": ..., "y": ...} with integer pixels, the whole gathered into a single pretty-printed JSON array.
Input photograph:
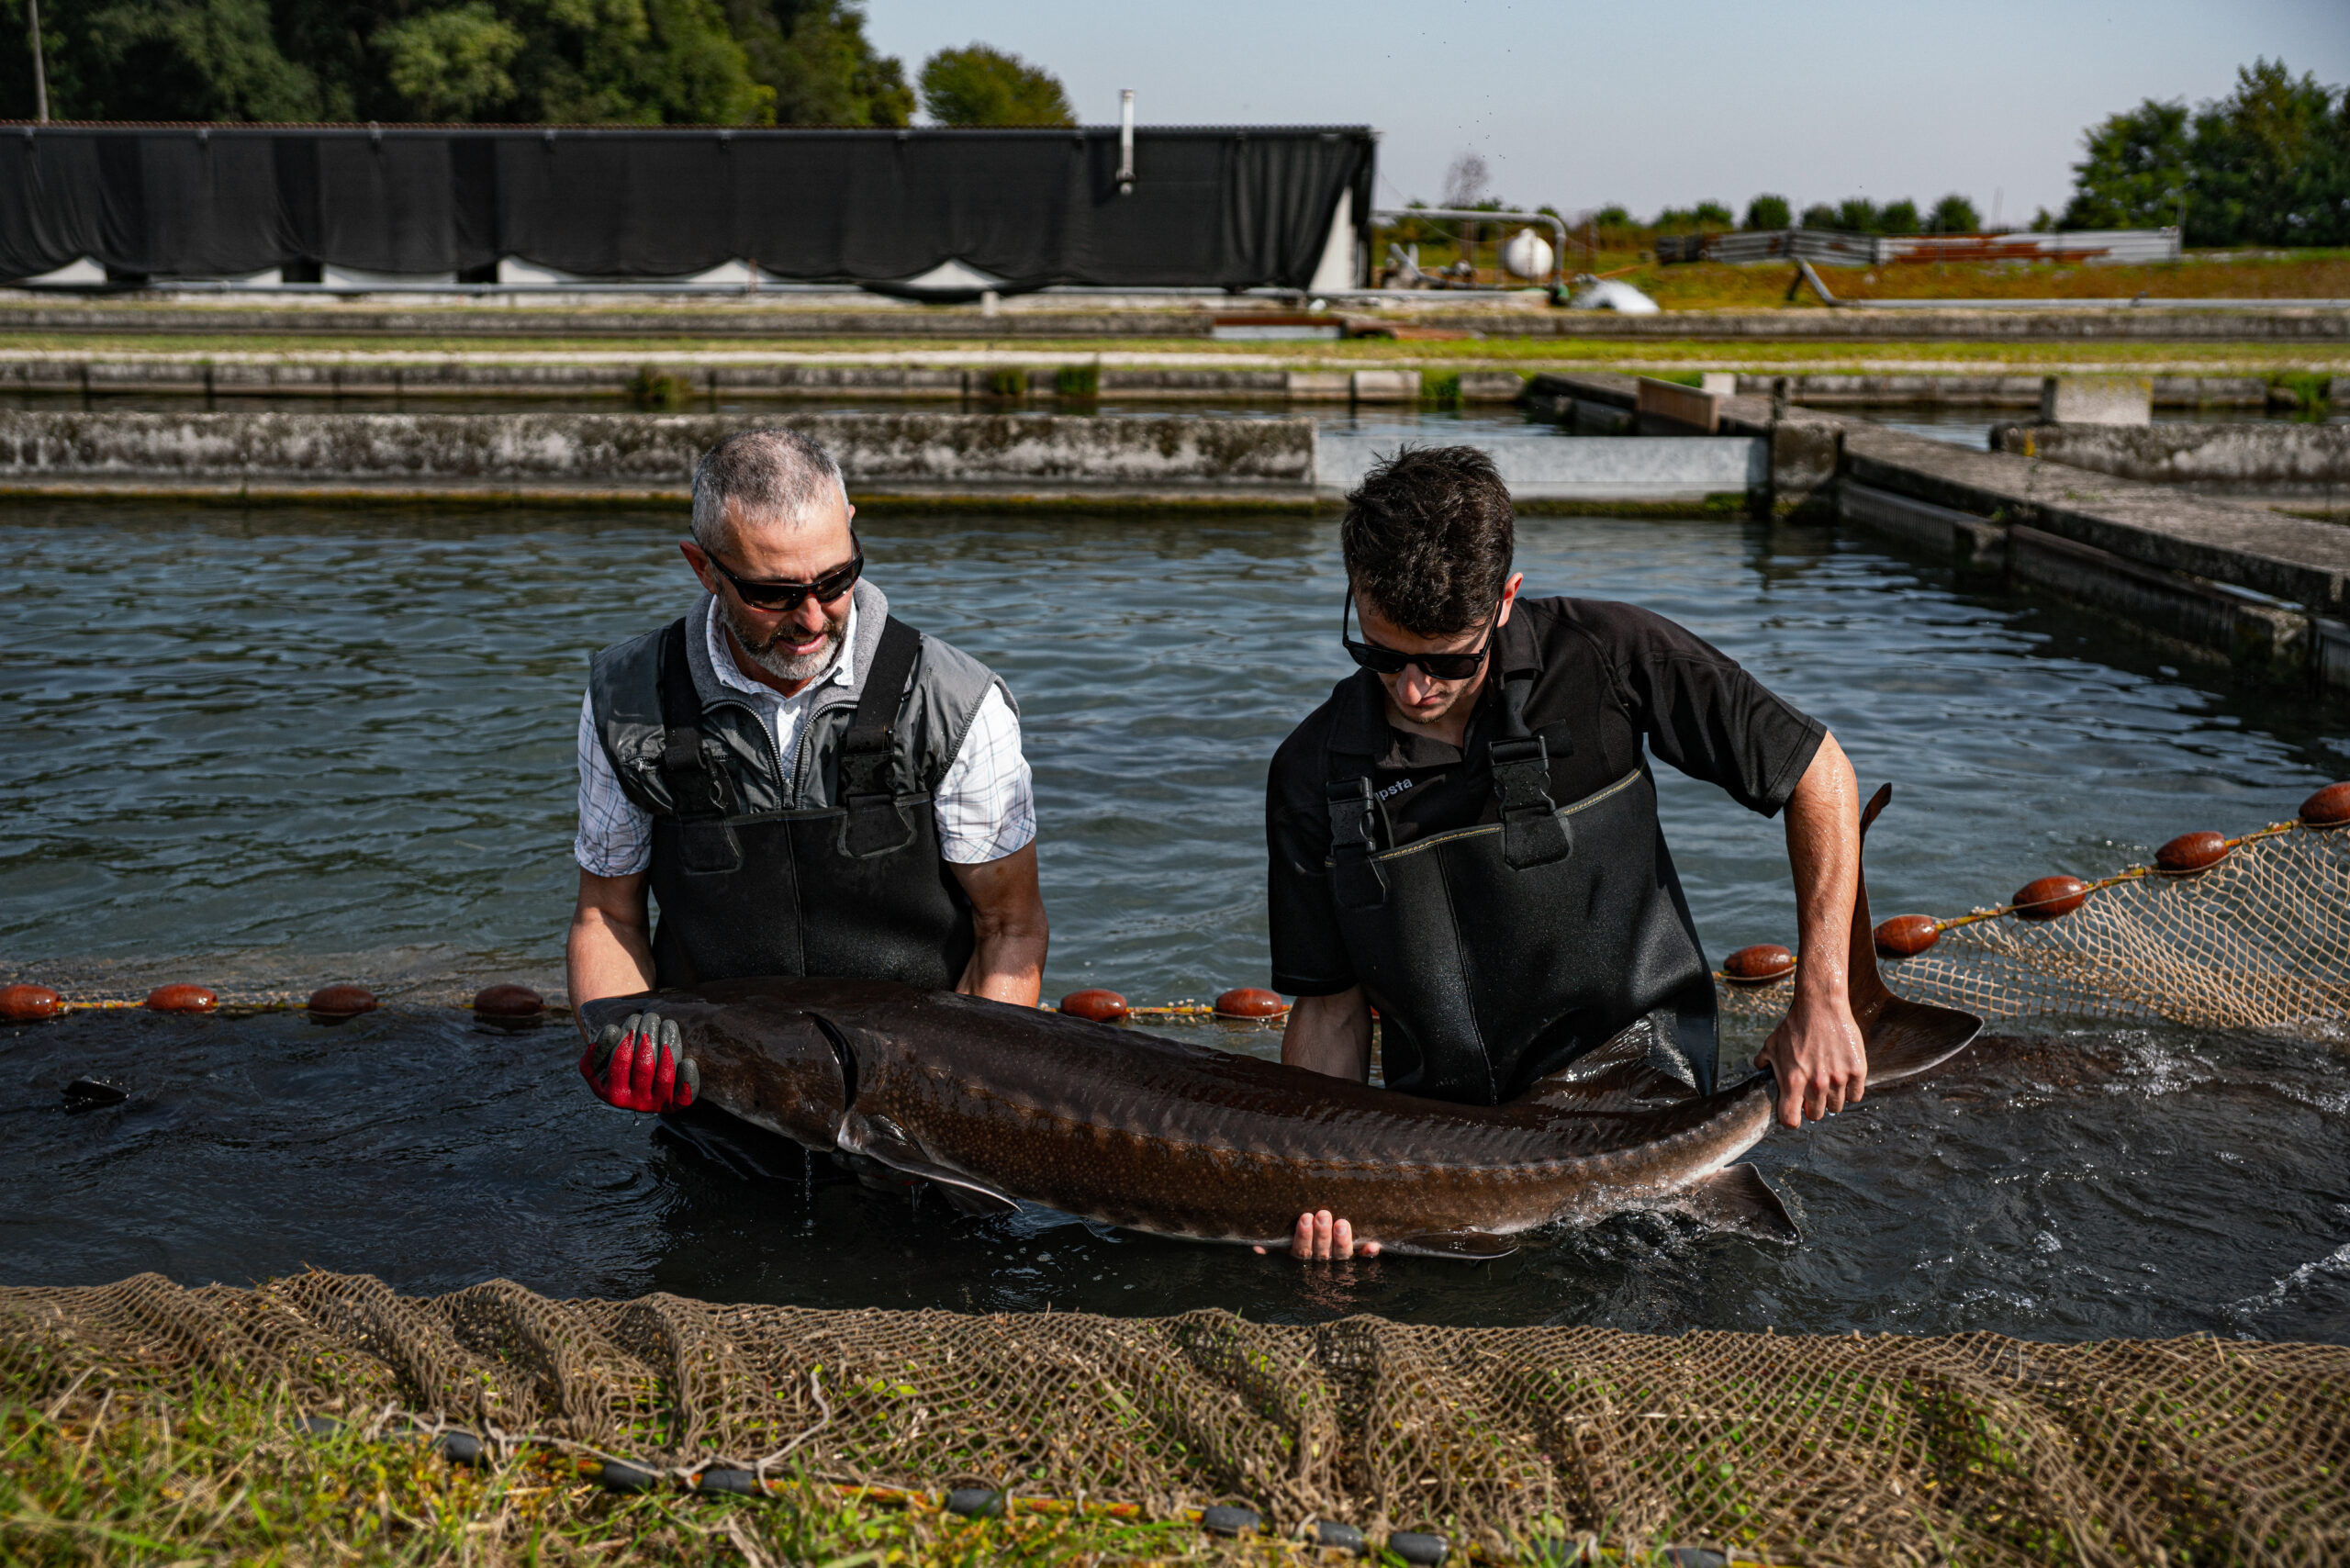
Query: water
[{"x": 316, "y": 745}]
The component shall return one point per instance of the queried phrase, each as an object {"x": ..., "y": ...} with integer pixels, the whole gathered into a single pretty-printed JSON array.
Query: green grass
[{"x": 223, "y": 1478}]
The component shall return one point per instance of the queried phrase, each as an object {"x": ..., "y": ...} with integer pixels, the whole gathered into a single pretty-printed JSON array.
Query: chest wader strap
[
  {"x": 876, "y": 823},
  {"x": 1356, "y": 878},
  {"x": 1533, "y": 833},
  {"x": 696, "y": 788},
  {"x": 701, "y": 793}
]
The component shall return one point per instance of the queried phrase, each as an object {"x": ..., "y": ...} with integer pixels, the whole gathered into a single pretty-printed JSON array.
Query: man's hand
[
  {"x": 1818, "y": 1055},
  {"x": 642, "y": 1066},
  {"x": 1320, "y": 1237}
]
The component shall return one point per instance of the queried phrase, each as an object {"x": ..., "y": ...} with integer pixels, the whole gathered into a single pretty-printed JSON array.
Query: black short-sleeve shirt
[{"x": 1609, "y": 679}]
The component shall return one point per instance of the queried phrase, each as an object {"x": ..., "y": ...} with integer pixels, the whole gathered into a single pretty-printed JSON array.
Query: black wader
[
  {"x": 856, "y": 890},
  {"x": 1497, "y": 954}
]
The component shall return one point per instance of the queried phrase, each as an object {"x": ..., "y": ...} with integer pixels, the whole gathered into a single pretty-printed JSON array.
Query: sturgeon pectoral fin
[
  {"x": 1474, "y": 1244},
  {"x": 1737, "y": 1198},
  {"x": 880, "y": 1139}
]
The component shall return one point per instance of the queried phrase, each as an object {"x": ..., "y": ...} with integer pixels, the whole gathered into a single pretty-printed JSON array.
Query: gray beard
[{"x": 783, "y": 665}]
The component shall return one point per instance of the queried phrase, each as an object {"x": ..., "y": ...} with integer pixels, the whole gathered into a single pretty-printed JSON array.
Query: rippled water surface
[{"x": 301, "y": 746}]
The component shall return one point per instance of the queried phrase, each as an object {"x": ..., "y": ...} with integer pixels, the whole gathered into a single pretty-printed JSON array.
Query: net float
[
  {"x": 1250, "y": 1001},
  {"x": 333, "y": 1004},
  {"x": 181, "y": 999},
  {"x": 1907, "y": 935},
  {"x": 1758, "y": 965},
  {"x": 2191, "y": 852},
  {"x": 29, "y": 1003},
  {"x": 1100, "y": 1006},
  {"x": 2050, "y": 898},
  {"x": 507, "y": 1005},
  {"x": 2329, "y": 807}
]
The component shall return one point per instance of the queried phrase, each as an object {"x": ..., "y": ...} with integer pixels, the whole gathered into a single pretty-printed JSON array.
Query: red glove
[{"x": 642, "y": 1066}]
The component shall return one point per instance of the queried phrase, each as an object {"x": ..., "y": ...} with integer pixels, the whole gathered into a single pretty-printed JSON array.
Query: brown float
[
  {"x": 181, "y": 999},
  {"x": 2192, "y": 852},
  {"x": 1758, "y": 965},
  {"x": 333, "y": 1004},
  {"x": 1907, "y": 935},
  {"x": 1100, "y": 1006},
  {"x": 2050, "y": 898},
  {"x": 1249, "y": 1001},
  {"x": 29, "y": 1003},
  {"x": 2329, "y": 807},
  {"x": 508, "y": 1005}
]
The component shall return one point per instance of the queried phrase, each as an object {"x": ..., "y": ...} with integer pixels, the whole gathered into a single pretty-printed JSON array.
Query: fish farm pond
[{"x": 283, "y": 747}]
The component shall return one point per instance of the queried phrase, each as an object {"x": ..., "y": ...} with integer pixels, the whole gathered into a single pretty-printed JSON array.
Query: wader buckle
[
  {"x": 876, "y": 823},
  {"x": 1533, "y": 833},
  {"x": 1356, "y": 878}
]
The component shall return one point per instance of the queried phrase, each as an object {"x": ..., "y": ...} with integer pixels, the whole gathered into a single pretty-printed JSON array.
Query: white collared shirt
[{"x": 986, "y": 805}]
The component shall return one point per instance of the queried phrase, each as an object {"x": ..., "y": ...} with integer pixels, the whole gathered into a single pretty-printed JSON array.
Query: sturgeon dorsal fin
[
  {"x": 1476, "y": 1245},
  {"x": 1737, "y": 1198}
]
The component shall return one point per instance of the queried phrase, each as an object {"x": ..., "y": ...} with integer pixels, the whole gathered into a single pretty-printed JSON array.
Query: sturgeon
[{"x": 999, "y": 1104}]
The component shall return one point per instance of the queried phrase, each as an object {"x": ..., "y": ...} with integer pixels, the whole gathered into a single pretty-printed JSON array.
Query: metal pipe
[
  {"x": 1558, "y": 252},
  {"x": 41, "y": 67},
  {"x": 1125, "y": 141}
]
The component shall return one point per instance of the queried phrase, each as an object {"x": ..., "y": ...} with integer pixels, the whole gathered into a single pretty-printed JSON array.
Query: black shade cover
[{"x": 1214, "y": 207}]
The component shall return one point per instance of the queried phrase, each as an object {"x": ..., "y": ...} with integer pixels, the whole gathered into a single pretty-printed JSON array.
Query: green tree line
[
  {"x": 2269, "y": 165},
  {"x": 529, "y": 61}
]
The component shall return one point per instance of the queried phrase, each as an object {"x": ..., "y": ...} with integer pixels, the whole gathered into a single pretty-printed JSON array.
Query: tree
[
  {"x": 597, "y": 62},
  {"x": 1897, "y": 218},
  {"x": 1704, "y": 216},
  {"x": 980, "y": 85},
  {"x": 453, "y": 64},
  {"x": 1765, "y": 212},
  {"x": 2271, "y": 162},
  {"x": 1954, "y": 215},
  {"x": 1819, "y": 215},
  {"x": 199, "y": 60},
  {"x": 2136, "y": 170},
  {"x": 824, "y": 71},
  {"x": 1858, "y": 214},
  {"x": 2267, "y": 164}
]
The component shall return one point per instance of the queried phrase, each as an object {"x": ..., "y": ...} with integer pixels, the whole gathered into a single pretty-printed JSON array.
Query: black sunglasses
[
  {"x": 1394, "y": 661},
  {"x": 787, "y": 596}
]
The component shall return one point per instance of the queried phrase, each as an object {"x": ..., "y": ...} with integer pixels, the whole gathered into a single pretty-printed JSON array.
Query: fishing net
[
  {"x": 2259, "y": 938},
  {"x": 1972, "y": 1448}
]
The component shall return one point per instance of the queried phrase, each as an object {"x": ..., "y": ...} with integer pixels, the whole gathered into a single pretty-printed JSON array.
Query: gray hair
[{"x": 775, "y": 474}]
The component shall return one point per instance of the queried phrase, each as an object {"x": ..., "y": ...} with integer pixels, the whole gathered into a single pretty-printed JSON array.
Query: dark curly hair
[{"x": 1428, "y": 538}]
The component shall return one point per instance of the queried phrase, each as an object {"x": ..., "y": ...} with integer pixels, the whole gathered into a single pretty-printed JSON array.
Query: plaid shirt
[{"x": 986, "y": 805}]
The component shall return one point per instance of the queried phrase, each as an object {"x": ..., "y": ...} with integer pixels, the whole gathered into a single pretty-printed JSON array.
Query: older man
[{"x": 805, "y": 784}]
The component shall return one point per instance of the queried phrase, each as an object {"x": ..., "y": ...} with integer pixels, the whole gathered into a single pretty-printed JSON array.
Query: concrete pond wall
[
  {"x": 2270, "y": 458},
  {"x": 963, "y": 453}
]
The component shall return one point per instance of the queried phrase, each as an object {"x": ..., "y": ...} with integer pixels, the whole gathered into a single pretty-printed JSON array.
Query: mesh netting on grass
[
  {"x": 2260, "y": 938},
  {"x": 1973, "y": 1448}
]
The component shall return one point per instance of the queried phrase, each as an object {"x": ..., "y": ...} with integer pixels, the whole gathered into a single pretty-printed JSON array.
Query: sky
[{"x": 1579, "y": 105}]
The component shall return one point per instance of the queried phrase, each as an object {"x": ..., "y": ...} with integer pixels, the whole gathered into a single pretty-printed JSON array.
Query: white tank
[{"x": 1527, "y": 255}]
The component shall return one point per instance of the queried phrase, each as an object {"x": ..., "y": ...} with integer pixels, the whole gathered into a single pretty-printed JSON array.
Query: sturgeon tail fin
[{"x": 1904, "y": 1038}]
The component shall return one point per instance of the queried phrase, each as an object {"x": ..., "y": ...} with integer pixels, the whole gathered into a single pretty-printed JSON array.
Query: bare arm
[
  {"x": 1816, "y": 1050},
  {"x": 1331, "y": 1035},
  {"x": 1008, "y": 912},
  {"x": 609, "y": 950}
]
